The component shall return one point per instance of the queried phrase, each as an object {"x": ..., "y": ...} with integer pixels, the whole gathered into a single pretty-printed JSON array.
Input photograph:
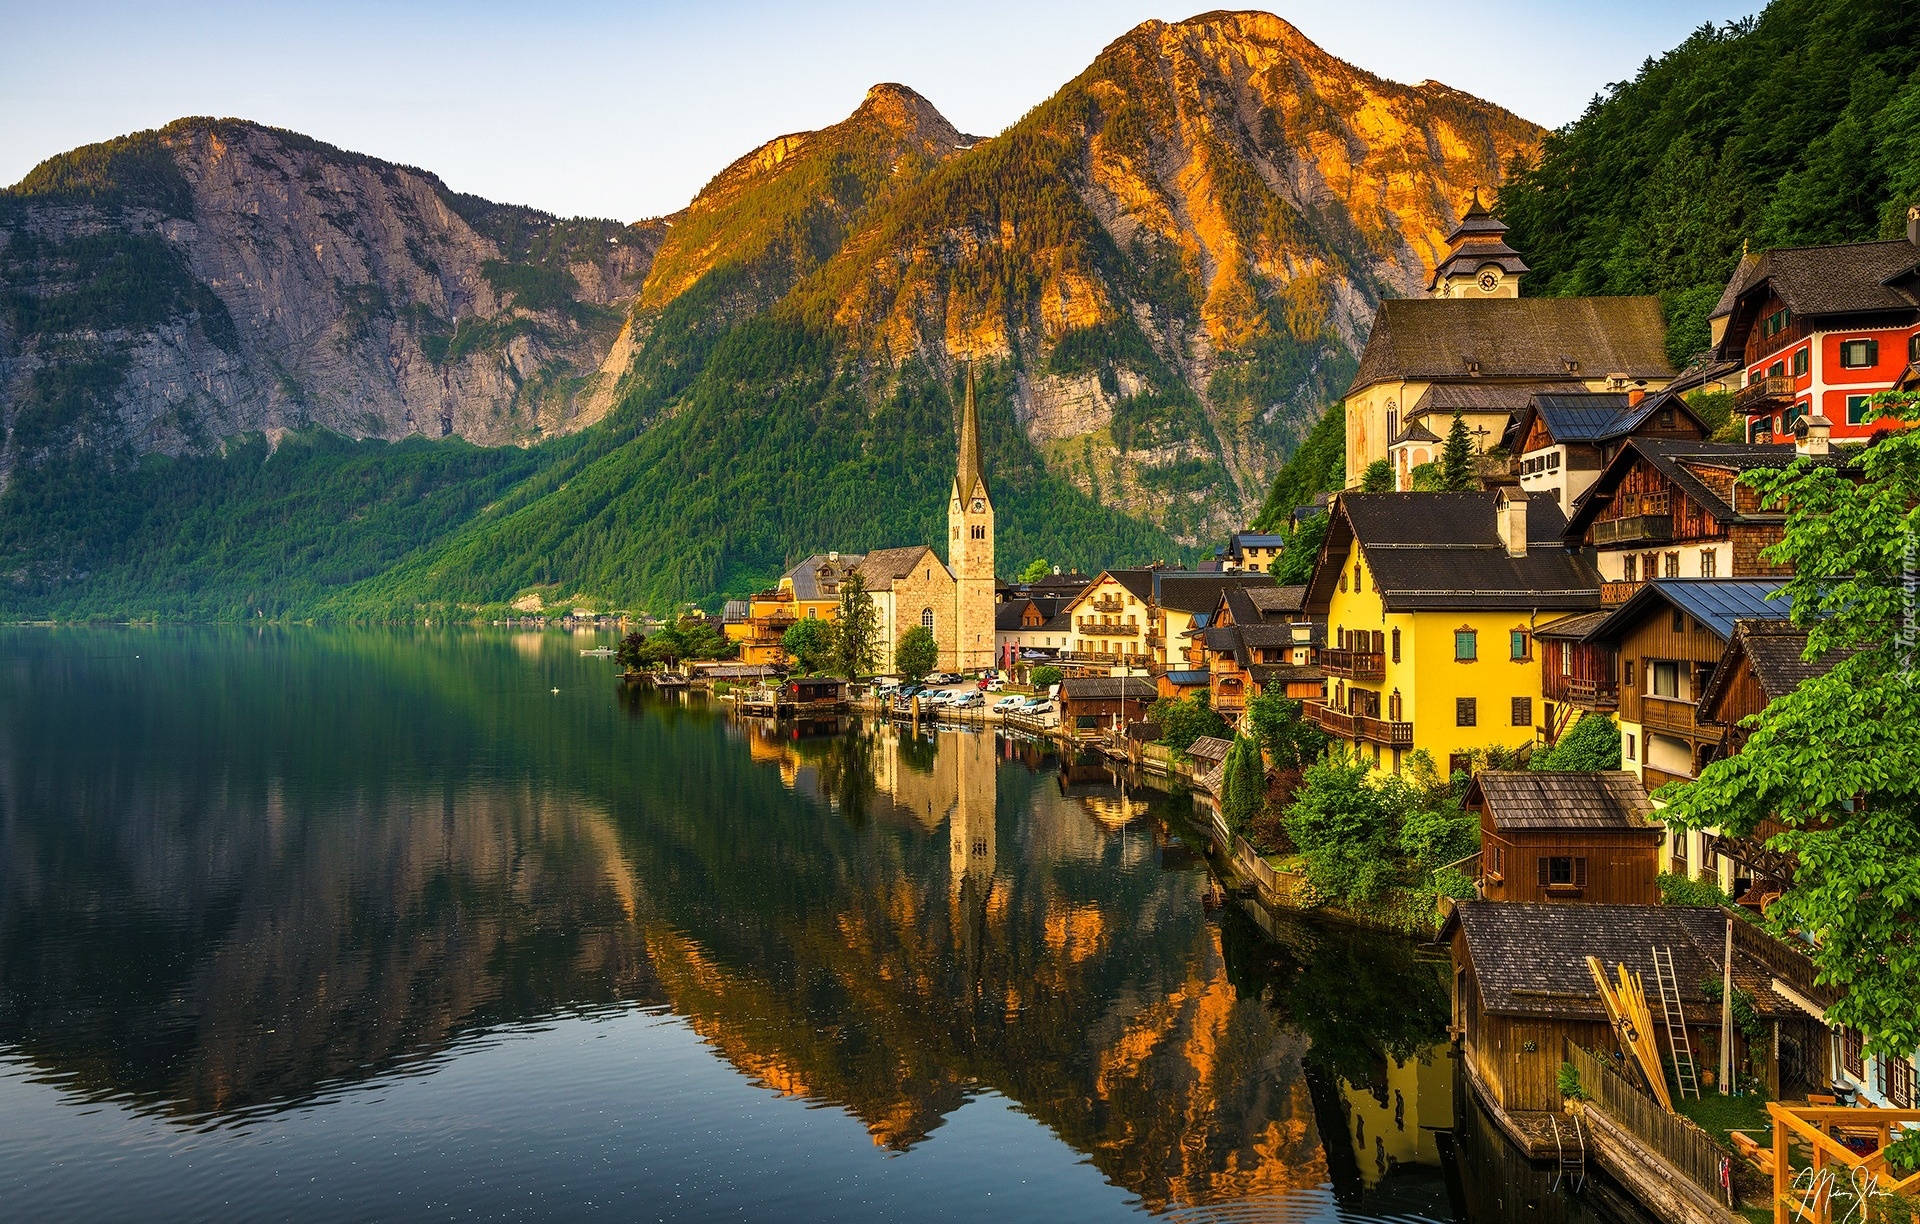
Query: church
[
  {"x": 1476, "y": 347},
  {"x": 910, "y": 585}
]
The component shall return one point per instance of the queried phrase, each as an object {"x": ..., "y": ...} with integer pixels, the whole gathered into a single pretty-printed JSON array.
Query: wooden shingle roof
[
  {"x": 1209, "y": 748},
  {"x": 1561, "y": 799},
  {"x": 1530, "y": 958},
  {"x": 1433, "y": 338}
]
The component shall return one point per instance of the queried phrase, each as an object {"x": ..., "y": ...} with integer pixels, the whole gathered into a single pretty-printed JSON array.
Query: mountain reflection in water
[{"x": 296, "y": 885}]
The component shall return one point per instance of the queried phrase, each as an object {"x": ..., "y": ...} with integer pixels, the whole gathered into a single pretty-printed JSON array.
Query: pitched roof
[
  {"x": 807, "y": 575},
  {"x": 1442, "y": 398},
  {"x": 1108, "y": 688},
  {"x": 1187, "y": 678},
  {"x": 1443, "y": 550},
  {"x": 1573, "y": 628},
  {"x": 1278, "y": 600},
  {"x": 1844, "y": 278},
  {"x": 735, "y": 612},
  {"x": 1775, "y": 652},
  {"x": 1258, "y": 539},
  {"x": 1684, "y": 461},
  {"x": 881, "y": 567},
  {"x": 1137, "y": 582},
  {"x": 1561, "y": 799},
  {"x": 1281, "y": 673},
  {"x": 1433, "y": 338},
  {"x": 1210, "y": 748},
  {"x": 1008, "y": 617},
  {"x": 1715, "y": 602},
  {"x": 1530, "y": 958},
  {"x": 1190, "y": 591}
]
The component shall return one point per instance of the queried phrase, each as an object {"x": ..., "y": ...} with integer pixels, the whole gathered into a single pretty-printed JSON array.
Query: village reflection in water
[{"x": 218, "y": 918}]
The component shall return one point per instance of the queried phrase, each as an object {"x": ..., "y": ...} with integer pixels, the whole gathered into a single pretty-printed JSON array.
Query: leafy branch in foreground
[{"x": 1837, "y": 761}]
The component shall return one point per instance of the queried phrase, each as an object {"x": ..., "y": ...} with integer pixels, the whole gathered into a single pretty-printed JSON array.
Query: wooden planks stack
[{"x": 1626, "y": 1004}]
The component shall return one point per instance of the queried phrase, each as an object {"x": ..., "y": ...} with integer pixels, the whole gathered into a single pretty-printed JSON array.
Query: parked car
[
  {"x": 943, "y": 678},
  {"x": 938, "y": 697},
  {"x": 1013, "y": 702},
  {"x": 1037, "y": 705},
  {"x": 966, "y": 701}
]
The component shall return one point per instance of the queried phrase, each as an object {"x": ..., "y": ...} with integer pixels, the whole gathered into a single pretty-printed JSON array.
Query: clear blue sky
[{"x": 625, "y": 110}]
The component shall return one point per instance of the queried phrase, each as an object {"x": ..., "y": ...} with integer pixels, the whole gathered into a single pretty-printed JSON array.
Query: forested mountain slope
[{"x": 1799, "y": 126}]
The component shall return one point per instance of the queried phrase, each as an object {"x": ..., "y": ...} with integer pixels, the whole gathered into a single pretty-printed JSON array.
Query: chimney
[
  {"x": 1811, "y": 435},
  {"x": 1635, "y": 396},
  {"x": 1510, "y": 519},
  {"x": 833, "y": 558}
]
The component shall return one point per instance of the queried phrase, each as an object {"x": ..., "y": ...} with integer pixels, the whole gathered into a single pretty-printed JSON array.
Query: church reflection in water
[{"x": 878, "y": 918}]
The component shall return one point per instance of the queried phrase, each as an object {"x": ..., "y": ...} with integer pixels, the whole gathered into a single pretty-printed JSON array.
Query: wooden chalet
[
  {"x": 1557, "y": 836},
  {"x": 1257, "y": 640},
  {"x": 1669, "y": 637},
  {"x": 1561, "y": 440},
  {"x": 1092, "y": 704},
  {"x": 1576, "y": 676},
  {"x": 1765, "y": 659},
  {"x": 1522, "y": 990}
]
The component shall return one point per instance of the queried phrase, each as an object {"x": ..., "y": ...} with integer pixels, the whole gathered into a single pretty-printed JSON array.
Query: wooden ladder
[{"x": 1684, "y": 1072}]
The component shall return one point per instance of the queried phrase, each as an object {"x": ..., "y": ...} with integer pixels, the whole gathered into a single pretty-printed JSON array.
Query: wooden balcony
[
  {"x": 1362, "y": 728},
  {"x": 1764, "y": 395},
  {"x": 1354, "y": 664},
  {"x": 1634, "y": 529},
  {"x": 1670, "y": 716},
  {"x": 1618, "y": 592},
  {"x": 1654, "y": 779},
  {"x": 1093, "y": 628},
  {"x": 1107, "y": 604},
  {"x": 1337, "y": 723},
  {"x": 1583, "y": 691}
]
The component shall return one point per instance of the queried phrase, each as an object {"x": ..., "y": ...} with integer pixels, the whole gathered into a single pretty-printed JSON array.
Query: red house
[{"x": 1819, "y": 330}]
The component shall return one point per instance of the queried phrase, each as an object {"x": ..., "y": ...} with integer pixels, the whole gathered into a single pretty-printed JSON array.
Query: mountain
[
  {"x": 1160, "y": 276},
  {"x": 171, "y": 289},
  {"x": 1800, "y": 125}
]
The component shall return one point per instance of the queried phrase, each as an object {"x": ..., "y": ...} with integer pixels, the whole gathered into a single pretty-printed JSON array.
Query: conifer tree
[{"x": 1456, "y": 458}]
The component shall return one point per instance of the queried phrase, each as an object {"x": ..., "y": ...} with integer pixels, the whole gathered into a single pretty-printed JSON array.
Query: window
[
  {"x": 1630, "y": 743},
  {"x": 1396, "y": 645},
  {"x": 1673, "y": 565},
  {"x": 1629, "y": 568},
  {"x": 1517, "y": 644},
  {"x": 979, "y": 532},
  {"x": 1777, "y": 370},
  {"x": 1627, "y": 678},
  {"x": 1679, "y": 621},
  {"x": 1666, "y": 679},
  {"x": 1802, "y": 362},
  {"x": 1857, "y": 408},
  {"x": 1709, "y": 563},
  {"x": 1760, "y": 430},
  {"x": 1859, "y": 354},
  {"x": 1466, "y": 711},
  {"x": 1393, "y": 706},
  {"x": 1775, "y": 323},
  {"x": 813, "y": 614},
  {"x": 1499, "y": 862},
  {"x": 1896, "y": 1081},
  {"x": 1523, "y": 711},
  {"x": 926, "y": 618},
  {"x": 1793, "y": 416},
  {"x": 1357, "y": 588},
  {"x": 1563, "y": 871},
  {"x": 1850, "y": 1059},
  {"x": 1913, "y": 348},
  {"x": 1393, "y": 423},
  {"x": 1466, "y": 648},
  {"x": 1343, "y": 582}
]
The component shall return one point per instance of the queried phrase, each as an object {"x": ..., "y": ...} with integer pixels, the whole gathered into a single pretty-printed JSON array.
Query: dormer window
[
  {"x": 1472, "y": 364},
  {"x": 1571, "y": 366}
]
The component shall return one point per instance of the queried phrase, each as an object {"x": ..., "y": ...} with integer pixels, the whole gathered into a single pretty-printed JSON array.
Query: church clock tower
[{"x": 970, "y": 547}]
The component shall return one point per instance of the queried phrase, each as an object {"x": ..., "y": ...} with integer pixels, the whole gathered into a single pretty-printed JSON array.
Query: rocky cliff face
[{"x": 174, "y": 288}]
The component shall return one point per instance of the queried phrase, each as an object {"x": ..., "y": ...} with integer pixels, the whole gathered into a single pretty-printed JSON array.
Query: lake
[{"x": 362, "y": 925}]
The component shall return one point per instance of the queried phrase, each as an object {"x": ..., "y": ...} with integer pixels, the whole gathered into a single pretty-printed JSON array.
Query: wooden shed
[
  {"x": 1561, "y": 836},
  {"x": 1522, "y": 989},
  {"x": 1105, "y": 703}
]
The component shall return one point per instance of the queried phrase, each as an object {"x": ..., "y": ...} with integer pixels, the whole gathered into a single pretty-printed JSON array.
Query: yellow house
[
  {"x": 1431, "y": 602},
  {"x": 1138, "y": 620}
]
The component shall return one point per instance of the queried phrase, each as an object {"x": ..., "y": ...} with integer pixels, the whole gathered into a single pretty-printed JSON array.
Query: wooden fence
[{"x": 1690, "y": 1150}]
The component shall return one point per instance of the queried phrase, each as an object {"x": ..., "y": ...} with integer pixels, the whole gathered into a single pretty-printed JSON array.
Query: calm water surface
[{"x": 354, "y": 926}]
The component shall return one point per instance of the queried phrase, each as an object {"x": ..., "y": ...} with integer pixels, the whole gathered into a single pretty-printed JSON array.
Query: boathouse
[
  {"x": 1091, "y": 704},
  {"x": 1522, "y": 990},
  {"x": 1563, "y": 836}
]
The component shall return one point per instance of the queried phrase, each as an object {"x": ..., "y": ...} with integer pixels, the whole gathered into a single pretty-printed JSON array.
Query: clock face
[
  {"x": 1489, "y": 281},
  {"x": 979, "y": 506}
]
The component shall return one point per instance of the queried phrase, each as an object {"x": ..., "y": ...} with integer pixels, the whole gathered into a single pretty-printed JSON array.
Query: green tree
[
  {"x": 631, "y": 651},
  {"x": 1344, "y": 830},
  {"x": 1183, "y": 720},
  {"x": 1591, "y": 743},
  {"x": 916, "y": 652},
  {"x": 1378, "y": 478},
  {"x": 1037, "y": 569},
  {"x": 1456, "y": 458},
  {"x": 1244, "y": 787},
  {"x": 1044, "y": 678},
  {"x": 1290, "y": 741},
  {"x": 1837, "y": 761},
  {"x": 856, "y": 628},
  {"x": 809, "y": 643},
  {"x": 1300, "y": 551}
]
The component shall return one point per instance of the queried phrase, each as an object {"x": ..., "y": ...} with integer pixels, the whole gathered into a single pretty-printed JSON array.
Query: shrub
[
  {"x": 1591, "y": 743},
  {"x": 1044, "y": 677},
  {"x": 1183, "y": 720},
  {"x": 1568, "y": 1081},
  {"x": 1680, "y": 890}
]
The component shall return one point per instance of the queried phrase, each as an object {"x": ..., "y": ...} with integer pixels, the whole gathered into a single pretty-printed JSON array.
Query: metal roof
[{"x": 1715, "y": 602}]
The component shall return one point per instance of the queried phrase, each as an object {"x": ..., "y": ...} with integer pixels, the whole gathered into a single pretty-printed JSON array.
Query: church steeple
[
  {"x": 1478, "y": 262},
  {"x": 968, "y": 481}
]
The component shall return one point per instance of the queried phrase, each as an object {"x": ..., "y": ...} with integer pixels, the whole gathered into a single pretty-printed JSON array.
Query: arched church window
[{"x": 926, "y": 618}]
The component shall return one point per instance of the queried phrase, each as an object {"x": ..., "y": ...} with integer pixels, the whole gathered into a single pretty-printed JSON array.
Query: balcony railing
[
  {"x": 1107, "y": 604},
  {"x": 1618, "y": 592},
  {"x": 1354, "y": 664},
  {"x": 1668, "y": 714},
  {"x": 1094, "y": 628},
  {"x": 1584, "y": 692},
  {"x": 1335, "y": 722},
  {"x": 1634, "y": 529},
  {"x": 1383, "y": 731},
  {"x": 1764, "y": 395}
]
